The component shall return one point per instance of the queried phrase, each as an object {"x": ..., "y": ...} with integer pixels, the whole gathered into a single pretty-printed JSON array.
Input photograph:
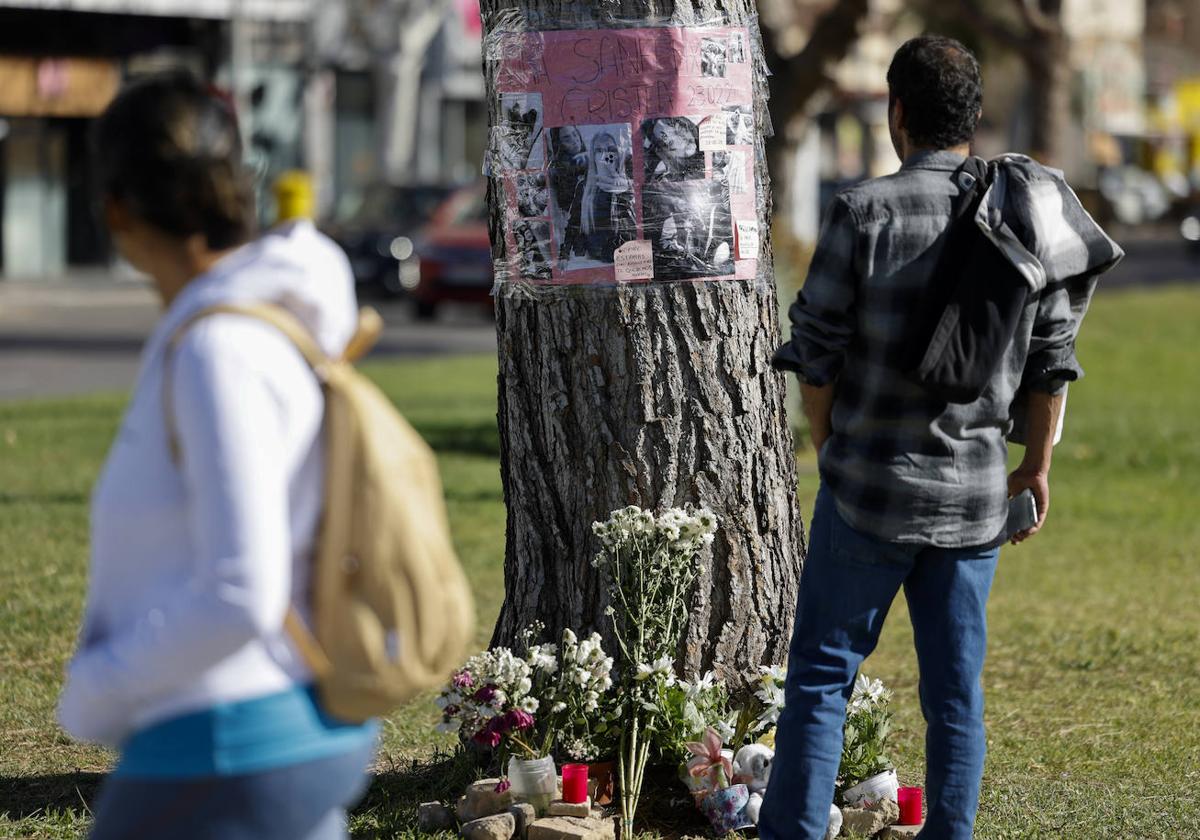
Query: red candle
[
  {"x": 910, "y": 805},
  {"x": 575, "y": 783}
]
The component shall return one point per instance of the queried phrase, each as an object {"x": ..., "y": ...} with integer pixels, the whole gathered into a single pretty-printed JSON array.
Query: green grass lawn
[{"x": 1093, "y": 675}]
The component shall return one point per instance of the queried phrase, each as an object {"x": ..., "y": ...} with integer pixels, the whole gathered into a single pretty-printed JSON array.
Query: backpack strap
[
  {"x": 369, "y": 326},
  {"x": 276, "y": 316}
]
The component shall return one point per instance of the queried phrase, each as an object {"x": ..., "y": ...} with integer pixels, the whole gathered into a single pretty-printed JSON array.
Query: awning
[
  {"x": 56, "y": 87},
  {"x": 279, "y": 10}
]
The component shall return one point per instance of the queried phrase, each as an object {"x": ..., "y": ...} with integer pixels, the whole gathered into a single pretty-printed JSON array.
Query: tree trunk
[
  {"x": 1048, "y": 65},
  {"x": 648, "y": 394}
]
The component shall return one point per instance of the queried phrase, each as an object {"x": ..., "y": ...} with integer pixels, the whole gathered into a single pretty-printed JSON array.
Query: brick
[{"x": 572, "y": 828}]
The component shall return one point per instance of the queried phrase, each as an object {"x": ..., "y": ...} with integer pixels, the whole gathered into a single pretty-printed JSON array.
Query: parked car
[
  {"x": 381, "y": 237},
  {"x": 455, "y": 256},
  {"x": 1189, "y": 228}
]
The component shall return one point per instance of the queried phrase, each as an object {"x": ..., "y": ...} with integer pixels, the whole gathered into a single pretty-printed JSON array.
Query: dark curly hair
[
  {"x": 169, "y": 148},
  {"x": 938, "y": 81}
]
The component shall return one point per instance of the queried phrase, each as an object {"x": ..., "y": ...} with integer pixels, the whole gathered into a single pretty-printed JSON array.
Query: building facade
[{"x": 357, "y": 92}]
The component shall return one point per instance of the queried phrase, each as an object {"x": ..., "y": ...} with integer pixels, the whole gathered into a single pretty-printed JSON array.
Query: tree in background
[{"x": 1033, "y": 30}]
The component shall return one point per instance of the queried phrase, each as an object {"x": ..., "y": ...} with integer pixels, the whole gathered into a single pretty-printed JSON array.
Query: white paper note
[
  {"x": 634, "y": 261},
  {"x": 712, "y": 132},
  {"x": 747, "y": 239}
]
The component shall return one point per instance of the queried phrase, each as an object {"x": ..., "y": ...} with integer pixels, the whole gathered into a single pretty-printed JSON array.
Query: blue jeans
[
  {"x": 849, "y": 582},
  {"x": 301, "y": 802}
]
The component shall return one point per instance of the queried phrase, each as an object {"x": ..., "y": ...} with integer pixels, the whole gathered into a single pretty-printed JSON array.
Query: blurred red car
[{"x": 455, "y": 253}]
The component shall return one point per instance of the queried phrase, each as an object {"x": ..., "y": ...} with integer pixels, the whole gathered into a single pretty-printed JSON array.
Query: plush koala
[
  {"x": 835, "y": 822},
  {"x": 753, "y": 806},
  {"x": 752, "y": 766}
]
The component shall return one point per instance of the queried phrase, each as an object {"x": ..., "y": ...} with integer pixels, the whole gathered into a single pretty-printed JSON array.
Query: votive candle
[
  {"x": 909, "y": 800},
  {"x": 575, "y": 783}
]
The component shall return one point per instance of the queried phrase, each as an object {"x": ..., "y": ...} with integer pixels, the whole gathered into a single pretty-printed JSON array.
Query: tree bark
[
  {"x": 1041, "y": 41},
  {"x": 797, "y": 79},
  {"x": 1047, "y": 63},
  {"x": 654, "y": 395}
]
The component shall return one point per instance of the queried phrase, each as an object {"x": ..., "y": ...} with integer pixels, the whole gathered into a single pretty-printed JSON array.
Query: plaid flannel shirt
[{"x": 902, "y": 464}]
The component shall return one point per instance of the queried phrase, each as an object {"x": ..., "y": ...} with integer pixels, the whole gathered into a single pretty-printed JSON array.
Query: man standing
[{"x": 914, "y": 491}]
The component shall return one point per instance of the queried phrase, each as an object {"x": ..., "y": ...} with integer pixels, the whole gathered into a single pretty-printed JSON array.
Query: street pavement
[
  {"x": 83, "y": 335},
  {"x": 79, "y": 336}
]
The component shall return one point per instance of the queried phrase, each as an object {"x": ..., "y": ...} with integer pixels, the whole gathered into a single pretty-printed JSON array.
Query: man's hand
[
  {"x": 1038, "y": 481},
  {"x": 818, "y": 409}
]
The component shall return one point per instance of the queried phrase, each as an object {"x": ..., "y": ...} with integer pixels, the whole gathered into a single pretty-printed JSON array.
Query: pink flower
[
  {"x": 503, "y": 785},
  {"x": 487, "y": 737},
  {"x": 485, "y": 694},
  {"x": 518, "y": 719},
  {"x": 708, "y": 762},
  {"x": 463, "y": 679}
]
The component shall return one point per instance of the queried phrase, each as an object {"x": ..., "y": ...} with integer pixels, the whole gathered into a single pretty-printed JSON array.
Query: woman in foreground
[{"x": 205, "y": 515}]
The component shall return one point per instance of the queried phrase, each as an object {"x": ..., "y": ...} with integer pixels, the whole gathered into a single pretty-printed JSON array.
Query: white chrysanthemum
[{"x": 529, "y": 704}]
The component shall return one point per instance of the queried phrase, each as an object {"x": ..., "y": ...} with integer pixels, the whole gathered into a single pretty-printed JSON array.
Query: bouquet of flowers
[
  {"x": 649, "y": 563},
  {"x": 868, "y": 726},
  {"x": 491, "y": 700},
  {"x": 524, "y": 704},
  {"x": 686, "y": 710},
  {"x": 770, "y": 694},
  {"x": 579, "y": 721}
]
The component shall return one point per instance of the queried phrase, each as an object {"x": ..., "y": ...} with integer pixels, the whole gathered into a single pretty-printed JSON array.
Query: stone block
[
  {"x": 869, "y": 820},
  {"x": 901, "y": 832},
  {"x": 860, "y": 822},
  {"x": 433, "y": 817},
  {"x": 482, "y": 800},
  {"x": 572, "y": 828},
  {"x": 525, "y": 815},
  {"x": 495, "y": 827},
  {"x": 560, "y": 808}
]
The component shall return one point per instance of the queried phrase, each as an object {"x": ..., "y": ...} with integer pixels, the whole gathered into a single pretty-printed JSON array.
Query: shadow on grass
[
  {"x": 389, "y": 808},
  {"x": 43, "y": 498},
  {"x": 463, "y": 438},
  {"x": 30, "y": 796},
  {"x": 666, "y": 811}
]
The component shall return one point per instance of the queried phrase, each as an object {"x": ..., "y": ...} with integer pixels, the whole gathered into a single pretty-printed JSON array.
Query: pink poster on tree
[{"x": 627, "y": 155}]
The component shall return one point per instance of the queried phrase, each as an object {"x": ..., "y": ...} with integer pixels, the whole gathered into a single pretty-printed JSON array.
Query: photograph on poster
[
  {"x": 729, "y": 168},
  {"x": 533, "y": 194},
  {"x": 737, "y": 49},
  {"x": 712, "y": 57},
  {"x": 533, "y": 249},
  {"x": 691, "y": 229},
  {"x": 739, "y": 125},
  {"x": 520, "y": 135},
  {"x": 671, "y": 149},
  {"x": 591, "y": 170}
]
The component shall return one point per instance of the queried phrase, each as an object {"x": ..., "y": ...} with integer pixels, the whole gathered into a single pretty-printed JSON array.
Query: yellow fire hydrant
[{"x": 294, "y": 196}]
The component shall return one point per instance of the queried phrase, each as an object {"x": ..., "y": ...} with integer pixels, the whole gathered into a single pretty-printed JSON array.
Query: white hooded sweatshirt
[{"x": 193, "y": 566}]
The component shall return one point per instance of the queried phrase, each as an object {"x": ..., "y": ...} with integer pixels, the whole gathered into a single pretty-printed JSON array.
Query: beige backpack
[{"x": 392, "y": 611}]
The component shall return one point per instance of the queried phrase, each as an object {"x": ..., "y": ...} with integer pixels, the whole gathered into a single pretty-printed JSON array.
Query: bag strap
[{"x": 370, "y": 325}]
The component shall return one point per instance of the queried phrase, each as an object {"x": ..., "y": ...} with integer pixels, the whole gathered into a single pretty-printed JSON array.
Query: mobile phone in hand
[{"x": 1022, "y": 514}]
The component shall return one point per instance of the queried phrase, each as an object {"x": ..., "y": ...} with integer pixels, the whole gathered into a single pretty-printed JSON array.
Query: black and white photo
[
  {"x": 690, "y": 227},
  {"x": 739, "y": 125},
  {"x": 712, "y": 58},
  {"x": 533, "y": 194},
  {"x": 729, "y": 168},
  {"x": 737, "y": 49},
  {"x": 671, "y": 149},
  {"x": 591, "y": 178},
  {"x": 518, "y": 136},
  {"x": 533, "y": 249}
]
